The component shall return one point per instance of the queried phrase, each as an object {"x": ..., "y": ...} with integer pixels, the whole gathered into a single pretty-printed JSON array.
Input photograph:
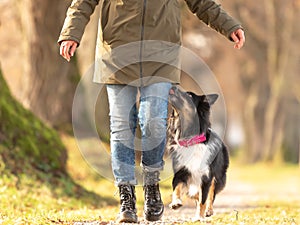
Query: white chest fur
[{"x": 196, "y": 159}]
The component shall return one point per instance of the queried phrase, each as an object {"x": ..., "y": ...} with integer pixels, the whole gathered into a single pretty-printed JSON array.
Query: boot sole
[
  {"x": 127, "y": 218},
  {"x": 152, "y": 218}
]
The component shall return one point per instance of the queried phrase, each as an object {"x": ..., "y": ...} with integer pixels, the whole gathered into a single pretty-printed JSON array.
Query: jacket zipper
[{"x": 142, "y": 39}]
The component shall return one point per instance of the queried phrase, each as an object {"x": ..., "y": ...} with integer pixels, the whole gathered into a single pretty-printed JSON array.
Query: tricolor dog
[{"x": 200, "y": 158}]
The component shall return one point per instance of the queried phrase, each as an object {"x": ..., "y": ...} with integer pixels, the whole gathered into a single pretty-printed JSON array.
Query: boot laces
[
  {"x": 127, "y": 199},
  {"x": 152, "y": 192}
]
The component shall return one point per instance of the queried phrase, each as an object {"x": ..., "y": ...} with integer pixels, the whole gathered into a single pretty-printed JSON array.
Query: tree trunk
[
  {"x": 277, "y": 61},
  {"x": 252, "y": 141},
  {"x": 49, "y": 82}
]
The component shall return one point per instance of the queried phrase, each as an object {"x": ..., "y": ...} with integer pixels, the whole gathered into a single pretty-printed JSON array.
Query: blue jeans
[{"x": 124, "y": 115}]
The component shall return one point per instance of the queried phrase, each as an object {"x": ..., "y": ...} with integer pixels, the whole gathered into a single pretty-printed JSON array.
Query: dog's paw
[
  {"x": 176, "y": 204},
  {"x": 209, "y": 212},
  {"x": 198, "y": 218}
]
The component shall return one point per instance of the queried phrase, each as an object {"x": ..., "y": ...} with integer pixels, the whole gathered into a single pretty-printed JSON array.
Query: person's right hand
[{"x": 67, "y": 49}]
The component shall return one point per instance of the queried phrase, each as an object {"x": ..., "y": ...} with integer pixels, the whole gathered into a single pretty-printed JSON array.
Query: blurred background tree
[
  {"x": 39, "y": 77},
  {"x": 260, "y": 83},
  {"x": 41, "y": 81},
  {"x": 269, "y": 78}
]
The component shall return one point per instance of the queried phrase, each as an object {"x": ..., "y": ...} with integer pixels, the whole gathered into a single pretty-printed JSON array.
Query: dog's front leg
[
  {"x": 200, "y": 210},
  {"x": 176, "y": 197},
  {"x": 210, "y": 199}
]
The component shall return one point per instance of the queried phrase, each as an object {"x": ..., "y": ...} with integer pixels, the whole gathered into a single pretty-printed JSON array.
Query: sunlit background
[{"x": 260, "y": 82}]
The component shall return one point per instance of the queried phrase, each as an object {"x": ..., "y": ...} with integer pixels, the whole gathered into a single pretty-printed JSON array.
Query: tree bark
[{"x": 49, "y": 81}]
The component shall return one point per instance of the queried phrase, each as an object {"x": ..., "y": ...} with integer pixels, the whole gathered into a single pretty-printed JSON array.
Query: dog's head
[{"x": 193, "y": 110}]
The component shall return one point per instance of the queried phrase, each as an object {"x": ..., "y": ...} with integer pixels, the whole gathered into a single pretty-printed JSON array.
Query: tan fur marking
[
  {"x": 178, "y": 190},
  {"x": 210, "y": 199},
  {"x": 176, "y": 197},
  {"x": 202, "y": 210}
]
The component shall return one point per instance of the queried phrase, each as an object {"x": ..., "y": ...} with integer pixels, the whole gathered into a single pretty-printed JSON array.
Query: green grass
[
  {"x": 28, "y": 200},
  {"x": 37, "y": 198},
  {"x": 26, "y": 139},
  {"x": 271, "y": 213}
]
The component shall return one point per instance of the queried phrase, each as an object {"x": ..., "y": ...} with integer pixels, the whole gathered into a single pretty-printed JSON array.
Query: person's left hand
[{"x": 238, "y": 37}]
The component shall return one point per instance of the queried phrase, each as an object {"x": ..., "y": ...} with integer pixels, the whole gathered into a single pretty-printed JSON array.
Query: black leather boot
[
  {"x": 127, "y": 204},
  {"x": 153, "y": 206}
]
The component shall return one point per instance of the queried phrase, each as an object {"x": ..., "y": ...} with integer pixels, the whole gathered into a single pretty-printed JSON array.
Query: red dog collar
[{"x": 193, "y": 141}]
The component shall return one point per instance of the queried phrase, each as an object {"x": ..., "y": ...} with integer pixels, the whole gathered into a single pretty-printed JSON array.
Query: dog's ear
[{"x": 212, "y": 98}]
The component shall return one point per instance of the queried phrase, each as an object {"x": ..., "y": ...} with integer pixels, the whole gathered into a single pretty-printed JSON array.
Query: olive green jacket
[{"x": 139, "y": 40}]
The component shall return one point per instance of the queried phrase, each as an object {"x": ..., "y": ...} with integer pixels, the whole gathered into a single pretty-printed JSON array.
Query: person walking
[{"x": 134, "y": 24}]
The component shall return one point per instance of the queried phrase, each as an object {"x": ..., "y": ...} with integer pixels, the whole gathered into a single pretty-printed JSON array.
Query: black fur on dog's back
[{"x": 220, "y": 164}]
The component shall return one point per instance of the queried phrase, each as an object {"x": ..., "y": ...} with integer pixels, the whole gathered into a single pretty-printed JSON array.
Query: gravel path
[{"x": 236, "y": 196}]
